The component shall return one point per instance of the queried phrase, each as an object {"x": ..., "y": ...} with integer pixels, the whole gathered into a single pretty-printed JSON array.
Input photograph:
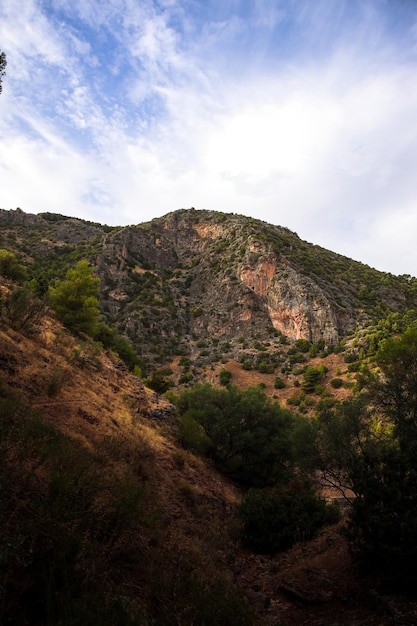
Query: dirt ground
[{"x": 319, "y": 584}]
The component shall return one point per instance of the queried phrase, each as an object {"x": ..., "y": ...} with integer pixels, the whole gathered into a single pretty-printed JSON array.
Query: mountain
[{"x": 211, "y": 285}]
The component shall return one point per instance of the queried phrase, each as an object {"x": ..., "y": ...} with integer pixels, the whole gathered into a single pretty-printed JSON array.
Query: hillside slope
[
  {"x": 194, "y": 276},
  {"x": 106, "y": 519},
  {"x": 99, "y": 505}
]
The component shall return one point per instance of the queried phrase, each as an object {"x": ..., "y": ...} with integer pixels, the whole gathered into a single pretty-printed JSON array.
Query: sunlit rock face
[
  {"x": 296, "y": 306},
  {"x": 225, "y": 279}
]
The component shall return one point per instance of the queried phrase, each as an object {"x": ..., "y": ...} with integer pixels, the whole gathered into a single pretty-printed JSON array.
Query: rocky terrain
[{"x": 201, "y": 276}]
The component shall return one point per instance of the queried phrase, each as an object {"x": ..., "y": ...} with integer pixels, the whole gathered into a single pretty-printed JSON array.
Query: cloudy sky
[{"x": 301, "y": 113}]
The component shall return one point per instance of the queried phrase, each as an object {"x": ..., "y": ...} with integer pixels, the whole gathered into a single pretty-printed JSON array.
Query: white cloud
[
  {"x": 25, "y": 31},
  {"x": 139, "y": 110}
]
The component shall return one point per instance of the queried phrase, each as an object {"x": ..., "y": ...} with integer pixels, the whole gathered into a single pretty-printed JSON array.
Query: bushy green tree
[
  {"x": 340, "y": 434},
  {"x": 225, "y": 377},
  {"x": 279, "y": 383},
  {"x": 395, "y": 392},
  {"x": 249, "y": 436},
  {"x": 10, "y": 267},
  {"x": 274, "y": 520},
  {"x": 75, "y": 299},
  {"x": 312, "y": 377},
  {"x": 369, "y": 445}
]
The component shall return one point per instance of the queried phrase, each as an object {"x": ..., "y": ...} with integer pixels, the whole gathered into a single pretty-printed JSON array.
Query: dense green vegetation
[
  {"x": 254, "y": 441},
  {"x": 10, "y": 267},
  {"x": 368, "y": 445},
  {"x": 246, "y": 434},
  {"x": 275, "y": 519}
]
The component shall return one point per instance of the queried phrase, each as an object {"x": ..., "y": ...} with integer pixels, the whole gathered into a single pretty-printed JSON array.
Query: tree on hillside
[
  {"x": 22, "y": 309},
  {"x": 247, "y": 435},
  {"x": 75, "y": 299},
  {"x": 396, "y": 390},
  {"x": 252, "y": 440},
  {"x": 369, "y": 444},
  {"x": 3, "y": 63},
  {"x": 312, "y": 377},
  {"x": 10, "y": 267}
]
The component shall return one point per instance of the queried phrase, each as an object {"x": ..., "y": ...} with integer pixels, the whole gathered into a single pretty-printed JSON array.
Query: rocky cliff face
[
  {"x": 184, "y": 283},
  {"x": 225, "y": 281}
]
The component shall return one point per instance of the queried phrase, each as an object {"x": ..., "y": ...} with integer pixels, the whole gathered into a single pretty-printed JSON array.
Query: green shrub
[
  {"x": 336, "y": 383},
  {"x": 185, "y": 362},
  {"x": 225, "y": 377},
  {"x": 354, "y": 367},
  {"x": 185, "y": 378},
  {"x": 279, "y": 383},
  {"x": 10, "y": 267},
  {"x": 313, "y": 351},
  {"x": 350, "y": 357},
  {"x": 23, "y": 310},
  {"x": 303, "y": 345},
  {"x": 192, "y": 435},
  {"x": 312, "y": 377},
  {"x": 274, "y": 520},
  {"x": 297, "y": 358},
  {"x": 157, "y": 382},
  {"x": 248, "y": 435}
]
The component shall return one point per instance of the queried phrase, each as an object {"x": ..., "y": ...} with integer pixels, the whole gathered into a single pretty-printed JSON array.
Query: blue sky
[{"x": 301, "y": 113}]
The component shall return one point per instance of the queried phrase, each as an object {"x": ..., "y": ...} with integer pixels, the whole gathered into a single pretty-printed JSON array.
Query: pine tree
[{"x": 75, "y": 299}]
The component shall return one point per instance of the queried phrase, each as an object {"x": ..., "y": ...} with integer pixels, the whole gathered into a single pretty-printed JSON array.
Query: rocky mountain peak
[{"x": 199, "y": 276}]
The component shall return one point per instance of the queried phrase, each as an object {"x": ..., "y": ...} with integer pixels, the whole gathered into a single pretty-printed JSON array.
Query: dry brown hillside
[
  {"x": 179, "y": 560},
  {"x": 187, "y": 516}
]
